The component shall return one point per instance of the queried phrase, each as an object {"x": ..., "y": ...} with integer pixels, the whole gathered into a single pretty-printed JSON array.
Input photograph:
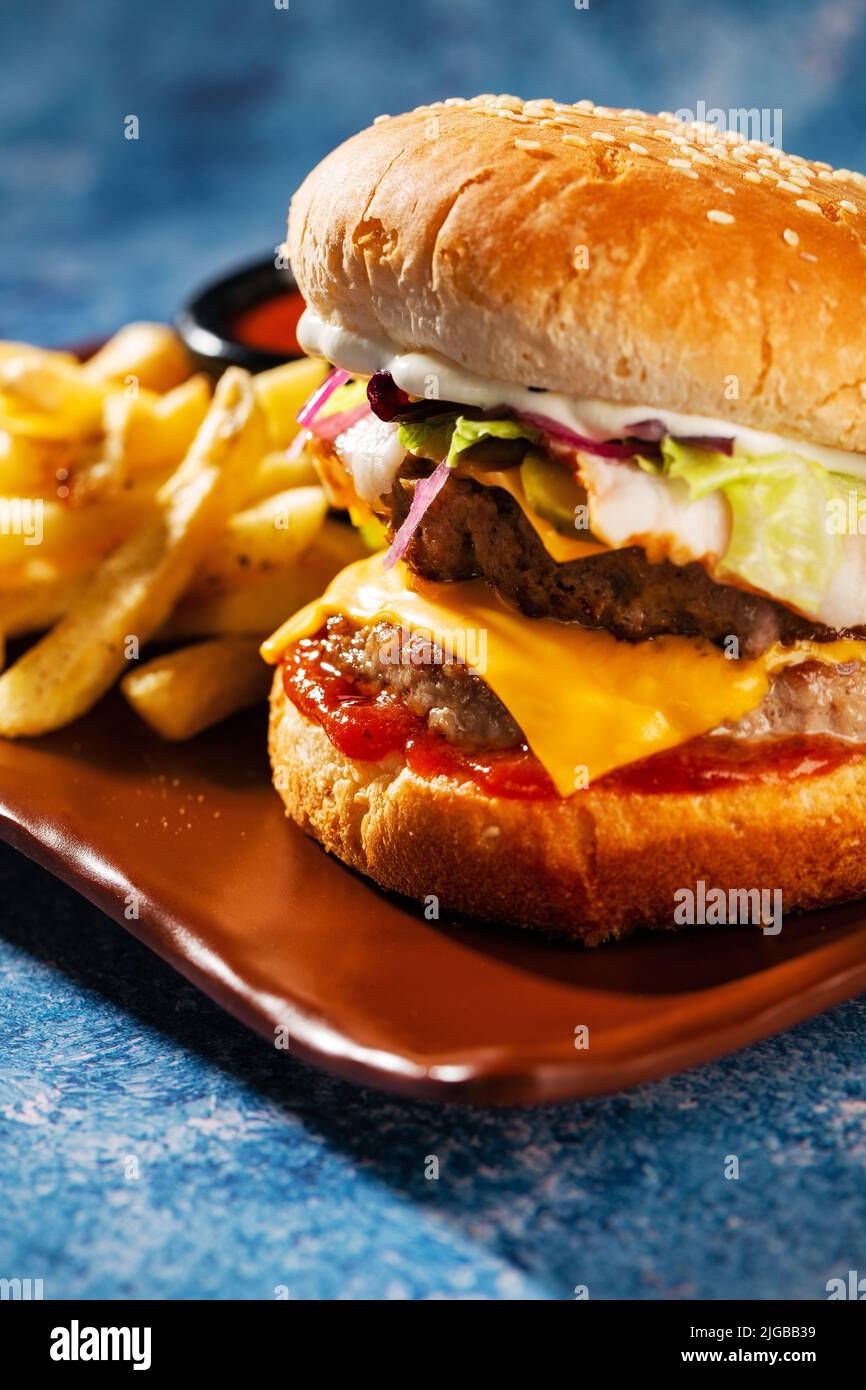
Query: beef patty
[
  {"x": 811, "y": 698},
  {"x": 473, "y": 531}
]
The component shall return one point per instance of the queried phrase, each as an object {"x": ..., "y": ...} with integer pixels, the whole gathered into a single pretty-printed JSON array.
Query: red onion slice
[
  {"x": 310, "y": 410},
  {"x": 647, "y": 431},
  {"x": 328, "y": 427},
  {"x": 554, "y": 430},
  {"x": 651, "y": 431},
  {"x": 426, "y": 491},
  {"x": 717, "y": 444}
]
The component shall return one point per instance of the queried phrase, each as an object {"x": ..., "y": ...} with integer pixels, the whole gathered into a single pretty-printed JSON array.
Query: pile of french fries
[{"x": 142, "y": 509}]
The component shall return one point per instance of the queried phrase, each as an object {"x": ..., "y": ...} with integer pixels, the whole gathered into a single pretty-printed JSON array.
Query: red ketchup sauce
[
  {"x": 369, "y": 725},
  {"x": 272, "y": 325}
]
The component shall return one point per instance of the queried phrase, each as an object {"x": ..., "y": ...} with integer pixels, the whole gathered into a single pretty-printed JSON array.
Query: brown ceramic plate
[{"x": 193, "y": 838}]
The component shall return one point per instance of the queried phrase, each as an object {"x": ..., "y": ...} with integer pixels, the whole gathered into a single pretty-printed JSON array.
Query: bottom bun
[{"x": 591, "y": 867}]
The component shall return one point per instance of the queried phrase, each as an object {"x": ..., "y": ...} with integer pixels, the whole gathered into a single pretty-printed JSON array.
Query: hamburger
[{"x": 600, "y": 387}]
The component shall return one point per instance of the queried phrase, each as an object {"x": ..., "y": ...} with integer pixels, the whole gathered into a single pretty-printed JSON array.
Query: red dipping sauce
[
  {"x": 369, "y": 725},
  {"x": 271, "y": 326}
]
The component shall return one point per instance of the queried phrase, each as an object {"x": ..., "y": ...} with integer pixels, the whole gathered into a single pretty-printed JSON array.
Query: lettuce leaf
[
  {"x": 782, "y": 542},
  {"x": 447, "y": 436},
  {"x": 469, "y": 432},
  {"x": 429, "y": 439}
]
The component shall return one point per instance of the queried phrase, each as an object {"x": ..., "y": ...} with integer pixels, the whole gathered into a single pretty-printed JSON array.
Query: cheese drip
[{"x": 586, "y": 702}]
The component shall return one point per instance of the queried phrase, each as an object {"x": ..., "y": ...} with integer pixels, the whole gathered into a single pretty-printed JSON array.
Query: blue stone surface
[{"x": 150, "y": 1146}]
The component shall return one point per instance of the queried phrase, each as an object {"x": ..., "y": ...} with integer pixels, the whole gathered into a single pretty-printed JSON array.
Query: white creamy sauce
[{"x": 431, "y": 375}]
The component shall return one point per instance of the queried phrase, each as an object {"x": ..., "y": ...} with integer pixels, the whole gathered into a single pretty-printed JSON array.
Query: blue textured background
[{"x": 253, "y": 1172}]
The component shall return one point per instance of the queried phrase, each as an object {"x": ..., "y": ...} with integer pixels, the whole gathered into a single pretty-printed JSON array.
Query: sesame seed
[
  {"x": 848, "y": 205},
  {"x": 714, "y": 215},
  {"x": 527, "y": 144},
  {"x": 680, "y": 163},
  {"x": 807, "y": 205},
  {"x": 807, "y": 256},
  {"x": 788, "y": 187},
  {"x": 689, "y": 173},
  {"x": 700, "y": 158},
  {"x": 603, "y": 135},
  {"x": 752, "y": 177},
  {"x": 725, "y": 189},
  {"x": 826, "y": 174},
  {"x": 380, "y": 119},
  {"x": 585, "y": 105},
  {"x": 638, "y": 149},
  {"x": 793, "y": 285},
  {"x": 791, "y": 237},
  {"x": 573, "y": 140},
  {"x": 635, "y": 130}
]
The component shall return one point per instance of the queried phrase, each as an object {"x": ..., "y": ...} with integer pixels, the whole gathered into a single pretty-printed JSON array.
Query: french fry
[
  {"x": 259, "y": 607},
  {"x": 133, "y": 505},
  {"x": 131, "y": 594},
  {"x": 34, "y": 385},
  {"x": 33, "y": 603},
  {"x": 187, "y": 691},
  {"x": 10, "y": 349},
  {"x": 36, "y": 425},
  {"x": 149, "y": 354},
  {"x": 28, "y": 467},
  {"x": 282, "y": 469},
  {"x": 268, "y": 536},
  {"x": 282, "y": 391},
  {"x": 151, "y": 431},
  {"x": 71, "y": 534}
]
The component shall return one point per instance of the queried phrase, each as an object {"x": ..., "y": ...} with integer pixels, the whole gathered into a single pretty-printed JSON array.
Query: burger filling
[
  {"x": 700, "y": 573},
  {"x": 642, "y": 535},
  {"x": 476, "y": 531},
  {"x": 458, "y": 705}
]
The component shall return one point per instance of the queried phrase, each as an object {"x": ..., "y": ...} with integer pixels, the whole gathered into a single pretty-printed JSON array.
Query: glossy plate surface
[{"x": 192, "y": 839}]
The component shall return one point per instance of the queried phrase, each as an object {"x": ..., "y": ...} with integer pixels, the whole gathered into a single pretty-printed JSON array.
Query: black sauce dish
[{"x": 245, "y": 319}]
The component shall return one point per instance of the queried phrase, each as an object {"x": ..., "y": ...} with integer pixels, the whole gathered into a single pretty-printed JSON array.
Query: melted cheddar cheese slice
[{"x": 586, "y": 702}]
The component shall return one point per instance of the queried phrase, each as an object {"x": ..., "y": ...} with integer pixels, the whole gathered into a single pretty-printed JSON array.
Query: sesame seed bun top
[{"x": 601, "y": 253}]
